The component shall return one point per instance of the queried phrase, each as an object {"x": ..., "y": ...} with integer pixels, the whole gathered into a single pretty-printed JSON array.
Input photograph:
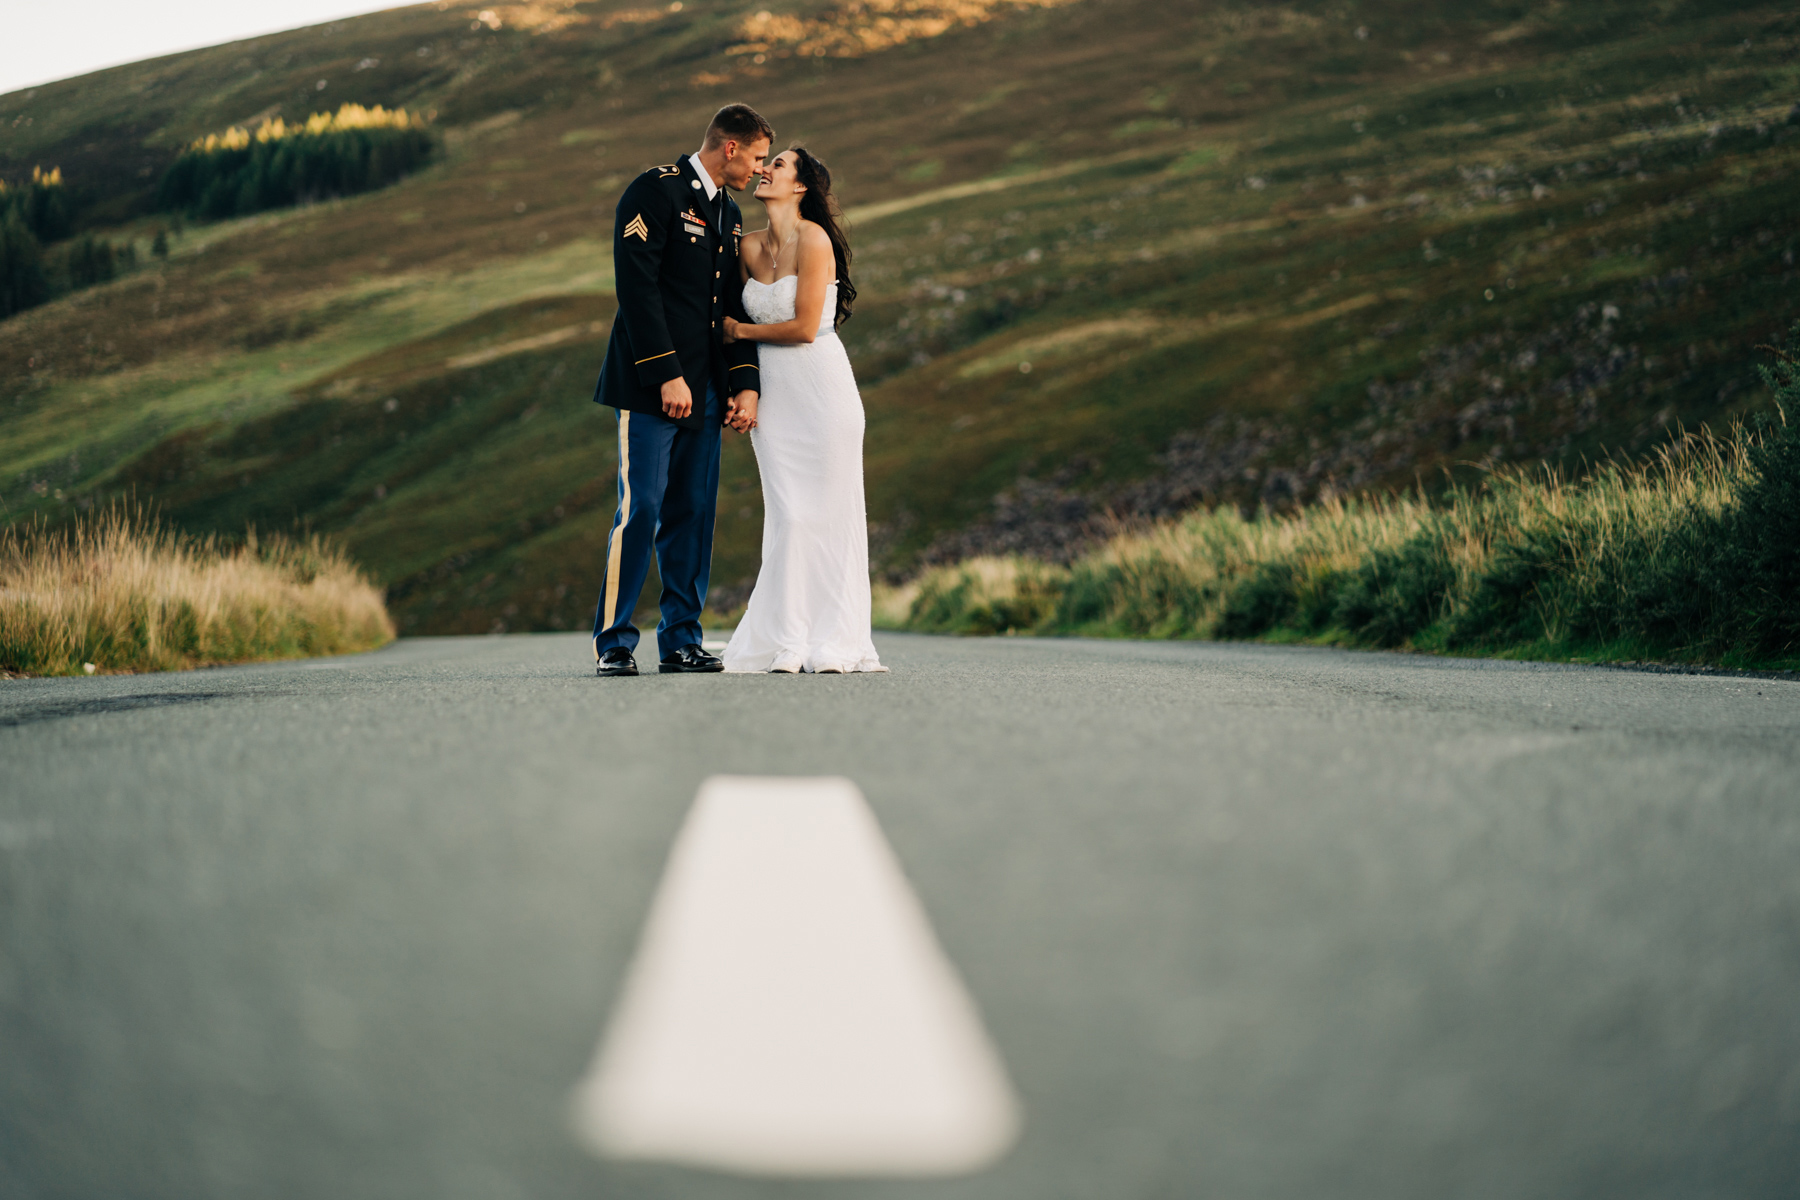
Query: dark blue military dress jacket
[{"x": 675, "y": 267}]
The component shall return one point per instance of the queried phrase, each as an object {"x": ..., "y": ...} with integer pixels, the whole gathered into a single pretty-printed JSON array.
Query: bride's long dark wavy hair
[{"x": 819, "y": 206}]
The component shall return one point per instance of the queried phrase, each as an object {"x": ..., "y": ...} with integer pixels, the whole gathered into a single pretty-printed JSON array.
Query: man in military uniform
[{"x": 675, "y": 383}]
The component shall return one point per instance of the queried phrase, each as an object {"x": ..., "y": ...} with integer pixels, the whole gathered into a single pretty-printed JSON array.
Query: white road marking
[{"x": 789, "y": 1011}]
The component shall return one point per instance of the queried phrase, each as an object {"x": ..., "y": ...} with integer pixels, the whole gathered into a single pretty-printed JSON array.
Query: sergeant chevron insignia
[{"x": 638, "y": 229}]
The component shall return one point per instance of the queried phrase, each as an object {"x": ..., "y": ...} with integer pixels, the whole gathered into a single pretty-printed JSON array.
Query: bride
[{"x": 810, "y": 608}]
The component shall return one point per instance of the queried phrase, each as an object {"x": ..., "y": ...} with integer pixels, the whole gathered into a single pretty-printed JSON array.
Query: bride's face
[{"x": 780, "y": 178}]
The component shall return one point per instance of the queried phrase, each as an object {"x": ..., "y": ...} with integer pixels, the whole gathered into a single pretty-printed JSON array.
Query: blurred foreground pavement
[{"x": 1243, "y": 921}]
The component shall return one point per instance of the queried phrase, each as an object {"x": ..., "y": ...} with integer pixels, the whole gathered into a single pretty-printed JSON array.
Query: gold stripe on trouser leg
[{"x": 616, "y": 545}]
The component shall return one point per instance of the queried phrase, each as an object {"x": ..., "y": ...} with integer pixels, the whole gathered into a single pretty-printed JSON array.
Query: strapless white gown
[{"x": 810, "y": 608}]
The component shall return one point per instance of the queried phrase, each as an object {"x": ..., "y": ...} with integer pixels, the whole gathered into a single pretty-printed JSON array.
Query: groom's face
[{"x": 744, "y": 162}]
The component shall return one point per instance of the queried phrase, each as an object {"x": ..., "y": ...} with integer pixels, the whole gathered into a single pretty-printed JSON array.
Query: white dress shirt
[{"x": 712, "y": 189}]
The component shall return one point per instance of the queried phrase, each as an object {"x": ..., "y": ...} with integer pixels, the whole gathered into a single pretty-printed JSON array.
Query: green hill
[{"x": 1117, "y": 258}]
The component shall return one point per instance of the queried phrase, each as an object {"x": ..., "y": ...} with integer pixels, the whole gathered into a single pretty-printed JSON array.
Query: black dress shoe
[
  {"x": 690, "y": 659},
  {"x": 617, "y": 661}
]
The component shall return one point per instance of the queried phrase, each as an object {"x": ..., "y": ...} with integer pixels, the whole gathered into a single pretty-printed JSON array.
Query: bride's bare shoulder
[{"x": 813, "y": 235}]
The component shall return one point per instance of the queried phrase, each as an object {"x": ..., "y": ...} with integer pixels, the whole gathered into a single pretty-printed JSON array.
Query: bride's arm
[
  {"x": 817, "y": 266},
  {"x": 748, "y": 248}
]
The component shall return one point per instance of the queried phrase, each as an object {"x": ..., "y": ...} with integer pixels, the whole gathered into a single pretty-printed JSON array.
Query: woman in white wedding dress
[{"x": 810, "y": 608}]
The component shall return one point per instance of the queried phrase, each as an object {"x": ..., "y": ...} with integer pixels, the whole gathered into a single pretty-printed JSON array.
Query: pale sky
[{"x": 54, "y": 39}]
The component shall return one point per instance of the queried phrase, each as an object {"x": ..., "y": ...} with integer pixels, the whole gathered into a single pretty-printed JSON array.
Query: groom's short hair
[{"x": 739, "y": 122}]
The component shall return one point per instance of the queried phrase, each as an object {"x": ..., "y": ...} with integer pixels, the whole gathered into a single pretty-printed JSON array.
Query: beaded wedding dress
[{"x": 810, "y": 608}]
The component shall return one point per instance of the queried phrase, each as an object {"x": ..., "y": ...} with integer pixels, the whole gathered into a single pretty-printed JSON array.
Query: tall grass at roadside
[
  {"x": 1691, "y": 556},
  {"x": 125, "y": 593}
]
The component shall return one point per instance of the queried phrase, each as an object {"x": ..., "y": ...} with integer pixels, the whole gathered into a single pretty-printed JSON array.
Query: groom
[{"x": 668, "y": 372}]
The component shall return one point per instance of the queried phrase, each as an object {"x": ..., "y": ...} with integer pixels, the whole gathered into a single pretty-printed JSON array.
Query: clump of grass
[
  {"x": 977, "y": 596},
  {"x": 1691, "y": 556},
  {"x": 125, "y": 593}
]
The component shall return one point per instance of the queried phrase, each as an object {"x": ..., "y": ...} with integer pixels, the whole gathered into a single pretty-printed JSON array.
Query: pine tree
[
  {"x": 46, "y": 208},
  {"x": 237, "y": 172},
  {"x": 89, "y": 261},
  {"x": 22, "y": 281}
]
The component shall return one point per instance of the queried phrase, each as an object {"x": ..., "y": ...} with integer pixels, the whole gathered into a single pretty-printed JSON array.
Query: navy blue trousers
[{"x": 668, "y": 498}]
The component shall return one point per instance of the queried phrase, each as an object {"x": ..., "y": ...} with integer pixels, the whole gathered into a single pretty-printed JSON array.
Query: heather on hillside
[
  {"x": 239, "y": 172},
  {"x": 1693, "y": 556},
  {"x": 122, "y": 592}
]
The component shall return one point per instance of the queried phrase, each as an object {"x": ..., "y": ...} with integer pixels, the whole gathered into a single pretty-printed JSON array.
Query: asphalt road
[{"x": 1243, "y": 921}]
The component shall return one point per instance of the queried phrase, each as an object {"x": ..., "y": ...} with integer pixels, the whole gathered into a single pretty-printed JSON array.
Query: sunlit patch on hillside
[
  {"x": 553, "y": 16},
  {"x": 555, "y": 337},
  {"x": 1085, "y": 337},
  {"x": 537, "y": 16},
  {"x": 866, "y": 26},
  {"x": 635, "y": 16}
]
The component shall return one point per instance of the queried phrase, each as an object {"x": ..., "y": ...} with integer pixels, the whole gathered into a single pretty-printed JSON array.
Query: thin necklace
[{"x": 775, "y": 254}]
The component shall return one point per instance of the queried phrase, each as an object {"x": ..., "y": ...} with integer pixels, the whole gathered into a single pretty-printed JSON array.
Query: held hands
[
  {"x": 740, "y": 413},
  {"x": 677, "y": 400}
]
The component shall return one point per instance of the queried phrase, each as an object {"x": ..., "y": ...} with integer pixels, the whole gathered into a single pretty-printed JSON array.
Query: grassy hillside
[{"x": 1118, "y": 258}]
